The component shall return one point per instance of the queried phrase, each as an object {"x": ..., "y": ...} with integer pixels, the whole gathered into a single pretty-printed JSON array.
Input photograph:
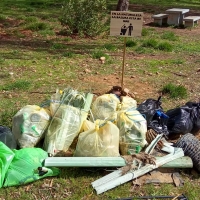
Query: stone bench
[
  {"x": 190, "y": 21},
  {"x": 160, "y": 19}
]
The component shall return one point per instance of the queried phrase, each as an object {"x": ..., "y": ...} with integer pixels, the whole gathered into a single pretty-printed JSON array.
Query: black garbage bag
[
  {"x": 149, "y": 107},
  {"x": 179, "y": 121},
  {"x": 152, "y": 110},
  {"x": 7, "y": 137},
  {"x": 185, "y": 119},
  {"x": 195, "y": 116},
  {"x": 159, "y": 123}
]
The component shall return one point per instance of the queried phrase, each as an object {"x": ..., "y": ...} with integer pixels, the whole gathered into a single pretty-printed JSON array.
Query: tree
[
  {"x": 84, "y": 17},
  {"x": 122, "y": 5}
]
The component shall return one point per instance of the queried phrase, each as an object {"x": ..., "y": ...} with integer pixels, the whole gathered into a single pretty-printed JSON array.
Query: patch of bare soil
[{"x": 102, "y": 83}]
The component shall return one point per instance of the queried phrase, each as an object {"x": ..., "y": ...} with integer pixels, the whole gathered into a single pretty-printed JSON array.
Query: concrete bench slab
[
  {"x": 176, "y": 16},
  {"x": 190, "y": 21},
  {"x": 160, "y": 19}
]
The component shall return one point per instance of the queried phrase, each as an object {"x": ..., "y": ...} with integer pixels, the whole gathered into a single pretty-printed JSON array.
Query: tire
[{"x": 191, "y": 147}]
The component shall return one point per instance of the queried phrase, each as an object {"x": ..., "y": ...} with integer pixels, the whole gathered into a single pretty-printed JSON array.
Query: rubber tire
[{"x": 191, "y": 147}]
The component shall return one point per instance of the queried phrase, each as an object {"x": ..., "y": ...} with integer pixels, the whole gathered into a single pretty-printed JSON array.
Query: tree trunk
[{"x": 122, "y": 5}]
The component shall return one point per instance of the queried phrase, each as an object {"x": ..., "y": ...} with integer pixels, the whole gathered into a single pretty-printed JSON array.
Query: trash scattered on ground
[
  {"x": 29, "y": 125},
  {"x": 18, "y": 166},
  {"x": 117, "y": 177},
  {"x": 156, "y": 177},
  {"x": 178, "y": 197},
  {"x": 101, "y": 139},
  {"x": 185, "y": 119},
  {"x": 7, "y": 137},
  {"x": 110, "y": 130},
  {"x": 191, "y": 146}
]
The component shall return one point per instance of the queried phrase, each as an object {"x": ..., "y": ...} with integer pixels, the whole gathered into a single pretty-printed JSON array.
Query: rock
[
  {"x": 125, "y": 91},
  {"x": 102, "y": 59},
  {"x": 87, "y": 71}
]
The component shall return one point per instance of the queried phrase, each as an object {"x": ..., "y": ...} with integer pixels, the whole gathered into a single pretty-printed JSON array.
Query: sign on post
[{"x": 126, "y": 24}]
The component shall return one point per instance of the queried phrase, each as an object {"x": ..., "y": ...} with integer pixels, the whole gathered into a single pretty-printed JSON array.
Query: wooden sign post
[{"x": 125, "y": 24}]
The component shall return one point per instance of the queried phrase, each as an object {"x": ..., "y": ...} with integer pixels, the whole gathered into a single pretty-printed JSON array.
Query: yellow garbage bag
[
  {"x": 132, "y": 128},
  {"x": 105, "y": 107},
  {"x": 100, "y": 140},
  {"x": 128, "y": 103},
  {"x": 29, "y": 125}
]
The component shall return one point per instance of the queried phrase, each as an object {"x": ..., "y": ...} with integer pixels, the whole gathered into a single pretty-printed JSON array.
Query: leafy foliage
[{"x": 84, "y": 17}]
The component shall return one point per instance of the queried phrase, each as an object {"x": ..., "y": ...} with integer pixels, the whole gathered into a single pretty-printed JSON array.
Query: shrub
[
  {"x": 84, "y": 17},
  {"x": 175, "y": 91}
]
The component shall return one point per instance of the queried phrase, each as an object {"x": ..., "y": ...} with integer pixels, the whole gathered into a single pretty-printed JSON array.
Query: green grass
[
  {"x": 43, "y": 57},
  {"x": 169, "y": 35},
  {"x": 17, "y": 85},
  {"x": 96, "y": 54},
  {"x": 131, "y": 43},
  {"x": 2, "y": 17},
  {"x": 175, "y": 91},
  {"x": 165, "y": 46},
  {"x": 110, "y": 47},
  {"x": 37, "y": 26},
  {"x": 150, "y": 43}
]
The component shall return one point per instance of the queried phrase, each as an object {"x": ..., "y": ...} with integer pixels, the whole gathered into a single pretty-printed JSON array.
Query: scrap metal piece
[
  {"x": 183, "y": 162},
  {"x": 114, "y": 179},
  {"x": 151, "y": 147}
]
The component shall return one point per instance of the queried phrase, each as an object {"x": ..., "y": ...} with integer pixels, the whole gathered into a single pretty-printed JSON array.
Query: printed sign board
[{"x": 126, "y": 24}]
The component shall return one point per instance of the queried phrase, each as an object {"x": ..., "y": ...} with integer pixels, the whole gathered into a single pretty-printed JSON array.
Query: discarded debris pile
[{"x": 110, "y": 130}]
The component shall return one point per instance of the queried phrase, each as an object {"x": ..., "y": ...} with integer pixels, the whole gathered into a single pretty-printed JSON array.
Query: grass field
[{"x": 36, "y": 58}]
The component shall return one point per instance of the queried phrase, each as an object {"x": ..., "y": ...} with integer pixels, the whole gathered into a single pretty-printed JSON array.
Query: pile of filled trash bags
[{"x": 109, "y": 125}]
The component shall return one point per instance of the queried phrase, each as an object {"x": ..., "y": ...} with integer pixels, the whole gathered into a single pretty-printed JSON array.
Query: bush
[
  {"x": 175, "y": 91},
  {"x": 84, "y": 17}
]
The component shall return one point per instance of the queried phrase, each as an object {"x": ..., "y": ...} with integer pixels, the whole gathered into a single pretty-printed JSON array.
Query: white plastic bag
[
  {"x": 133, "y": 127},
  {"x": 105, "y": 107},
  {"x": 98, "y": 141},
  {"x": 29, "y": 124},
  {"x": 62, "y": 130}
]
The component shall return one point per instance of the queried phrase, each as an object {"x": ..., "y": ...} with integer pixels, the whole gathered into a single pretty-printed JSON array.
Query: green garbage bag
[
  {"x": 26, "y": 167},
  {"x": 6, "y": 157}
]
